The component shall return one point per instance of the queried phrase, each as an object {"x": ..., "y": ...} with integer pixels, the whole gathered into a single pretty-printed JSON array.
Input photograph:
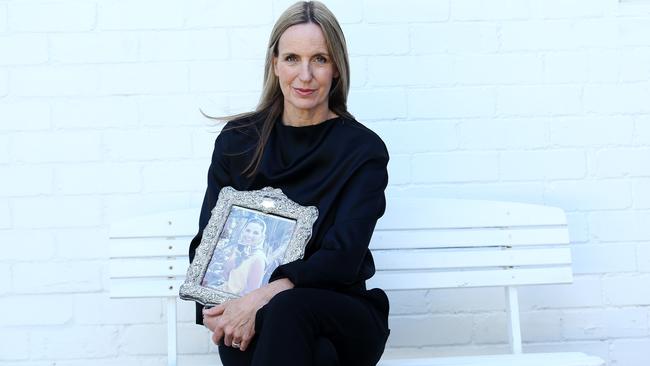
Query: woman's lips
[{"x": 304, "y": 92}]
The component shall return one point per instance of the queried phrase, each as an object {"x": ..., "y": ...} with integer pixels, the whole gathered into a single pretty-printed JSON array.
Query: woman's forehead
[{"x": 305, "y": 38}]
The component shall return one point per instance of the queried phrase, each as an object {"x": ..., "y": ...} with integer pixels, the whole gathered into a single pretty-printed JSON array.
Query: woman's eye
[
  {"x": 291, "y": 58},
  {"x": 321, "y": 59}
]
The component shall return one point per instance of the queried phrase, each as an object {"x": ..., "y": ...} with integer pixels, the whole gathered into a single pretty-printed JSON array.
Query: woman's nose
[{"x": 305, "y": 72}]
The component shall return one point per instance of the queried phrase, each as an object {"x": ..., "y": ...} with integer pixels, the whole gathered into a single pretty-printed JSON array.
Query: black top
[{"x": 339, "y": 166}]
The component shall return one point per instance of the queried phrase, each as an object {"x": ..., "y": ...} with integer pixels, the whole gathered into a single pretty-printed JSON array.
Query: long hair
[{"x": 271, "y": 104}]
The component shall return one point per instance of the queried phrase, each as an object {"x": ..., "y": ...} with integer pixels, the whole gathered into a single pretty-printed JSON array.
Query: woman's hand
[{"x": 234, "y": 320}]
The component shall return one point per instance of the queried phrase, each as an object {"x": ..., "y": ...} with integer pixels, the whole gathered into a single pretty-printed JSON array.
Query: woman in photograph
[
  {"x": 302, "y": 139},
  {"x": 246, "y": 266}
]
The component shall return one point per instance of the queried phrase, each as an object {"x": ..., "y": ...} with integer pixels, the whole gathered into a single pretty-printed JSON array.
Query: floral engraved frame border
[{"x": 267, "y": 201}]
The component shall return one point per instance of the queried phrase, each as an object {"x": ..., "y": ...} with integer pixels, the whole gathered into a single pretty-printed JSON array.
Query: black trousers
[{"x": 306, "y": 326}]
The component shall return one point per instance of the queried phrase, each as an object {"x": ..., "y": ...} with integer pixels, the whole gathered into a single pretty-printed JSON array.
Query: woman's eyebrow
[{"x": 294, "y": 53}]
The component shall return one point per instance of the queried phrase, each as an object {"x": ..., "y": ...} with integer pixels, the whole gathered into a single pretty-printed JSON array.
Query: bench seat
[{"x": 526, "y": 359}]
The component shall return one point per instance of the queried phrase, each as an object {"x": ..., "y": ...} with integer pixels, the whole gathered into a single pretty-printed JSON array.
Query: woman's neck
[{"x": 299, "y": 118}]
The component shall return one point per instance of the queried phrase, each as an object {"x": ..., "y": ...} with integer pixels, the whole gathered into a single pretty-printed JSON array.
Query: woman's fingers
[{"x": 215, "y": 310}]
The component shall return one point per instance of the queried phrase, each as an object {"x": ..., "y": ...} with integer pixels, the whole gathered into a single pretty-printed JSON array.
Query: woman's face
[
  {"x": 252, "y": 234},
  {"x": 305, "y": 69}
]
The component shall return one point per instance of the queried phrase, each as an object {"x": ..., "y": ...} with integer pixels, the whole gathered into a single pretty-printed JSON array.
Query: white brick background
[{"x": 540, "y": 101}]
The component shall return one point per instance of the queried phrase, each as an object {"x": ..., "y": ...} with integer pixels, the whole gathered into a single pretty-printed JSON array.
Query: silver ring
[{"x": 235, "y": 344}]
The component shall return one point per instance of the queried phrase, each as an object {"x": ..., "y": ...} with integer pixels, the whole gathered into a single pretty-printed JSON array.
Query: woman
[
  {"x": 302, "y": 139},
  {"x": 245, "y": 268}
]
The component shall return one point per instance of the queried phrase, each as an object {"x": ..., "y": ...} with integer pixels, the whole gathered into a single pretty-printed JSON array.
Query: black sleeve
[
  {"x": 218, "y": 177},
  {"x": 338, "y": 262}
]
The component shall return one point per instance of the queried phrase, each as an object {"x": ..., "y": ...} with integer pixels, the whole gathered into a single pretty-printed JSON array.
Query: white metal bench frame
[{"x": 418, "y": 244}]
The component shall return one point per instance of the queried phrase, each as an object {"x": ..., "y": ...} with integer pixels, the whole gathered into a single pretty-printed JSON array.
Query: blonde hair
[{"x": 271, "y": 103}]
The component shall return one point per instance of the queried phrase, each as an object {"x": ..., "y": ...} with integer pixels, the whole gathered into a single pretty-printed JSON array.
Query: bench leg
[{"x": 171, "y": 331}]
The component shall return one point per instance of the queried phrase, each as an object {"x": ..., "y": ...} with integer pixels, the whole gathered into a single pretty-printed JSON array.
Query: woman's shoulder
[{"x": 364, "y": 139}]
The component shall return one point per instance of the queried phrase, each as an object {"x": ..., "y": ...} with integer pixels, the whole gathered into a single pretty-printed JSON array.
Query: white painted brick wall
[{"x": 540, "y": 101}]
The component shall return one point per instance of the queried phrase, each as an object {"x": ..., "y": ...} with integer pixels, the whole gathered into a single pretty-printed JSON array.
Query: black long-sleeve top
[{"x": 339, "y": 166}]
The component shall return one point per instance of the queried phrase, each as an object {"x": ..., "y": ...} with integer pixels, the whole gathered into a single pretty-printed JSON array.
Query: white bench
[{"x": 418, "y": 244}]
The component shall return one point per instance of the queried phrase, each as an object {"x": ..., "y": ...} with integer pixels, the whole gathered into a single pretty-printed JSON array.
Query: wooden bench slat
[
  {"x": 145, "y": 287},
  {"x": 526, "y": 359},
  {"x": 443, "y": 238},
  {"x": 411, "y": 280},
  {"x": 171, "y": 223},
  {"x": 139, "y": 267},
  {"x": 433, "y": 259},
  {"x": 148, "y": 247}
]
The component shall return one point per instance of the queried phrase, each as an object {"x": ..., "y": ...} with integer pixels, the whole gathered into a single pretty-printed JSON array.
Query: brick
[
  {"x": 538, "y": 165},
  {"x": 222, "y": 76},
  {"x": 408, "y": 302},
  {"x": 174, "y": 176},
  {"x": 22, "y": 245},
  {"x": 418, "y": 331},
  {"x": 589, "y": 195},
  {"x": 113, "y": 15},
  {"x": 15, "y": 344},
  {"x": 377, "y": 104},
  {"x": 604, "y": 65},
  {"x": 604, "y": 323},
  {"x": 385, "y": 40},
  {"x": 489, "y": 9},
  {"x": 600, "y": 131},
  {"x": 617, "y": 226},
  {"x": 89, "y": 342},
  {"x": 152, "y": 144},
  {"x": 142, "y": 78},
  {"x": 643, "y": 257},
  {"x": 51, "y": 16},
  {"x": 25, "y": 180},
  {"x": 529, "y": 192},
  {"x": 23, "y": 49},
  {"x": 455, "y": 167},
  {"x": 203, "y": 141},
  {"x": 635, "y": 64},
  {"x": 538, "y": 35},
  {"x": 28, "y": 310},
  {"x": 568, "y": 8},
  {"x": 606, "y": 99},
  {"x": 51, "y": 212},
  {"x": 498, "y": 69},
  {"x": 633, "y": 32},
  {"x": 4, "y": 82},
  {"x": 98, "y": 178},
  {"x": 597, "y": 32},
  {"x": 358, "y": 72},
  {"x": 208, "y": 13},
  {"x": 95, "y": 112},
  {"x": 5, "y": 156},
  {"x": 490, "y": 328},
  {"x": 123, "y": 206},
  {"x": 415, "y": 191},
  {"x": 176, "y": 111},
  {"x": 642, "y": 130},
  {"x": 453, "y": 38},
  {"x": 54, "y": 80},
  {"x": 612, "y": 163},
  {"x": 50, "y": 277},
  {"x": 399, "y": 169},
  {"x": 196, "y": 339},
  {"x": 99, "y": 309},
  {"x": 5, "y": 214},
  {"x": 409, "y": 70},
  {"x": 386, "y": 11},
  {"x": 630, "y": 352},
  {"x": 498, "y": 134},
  {"x": 538, "y": 100},
  {"x": 3, "y": 18},
  {"x": 598, "y": 348},
  {"x": 98, "y": 47},
  {"x": 451, "y": 102},
  {"x": 148, "y": 339},
  {"x": 626, "y": 289},
  {"x": 5, "y": 280},
  {"x": 190, "y": 45},
  {"x": 584, "y": 291},
  {"x": 345, "y": 11},
  {"x": 578, "y": 227},
  {"x": 122, "y": 361},
  {"x": 57, "y": 146},
  {"x": 541, "y": 326},
  {"x": 566, "y": 67},
  {"x": 23, "y": 115},
  {"x": 603, "y": 258},
  {"x": 245, "y": 43},
  {"x": 465, "y": 300},
  {"x": 72, "y": 244}
]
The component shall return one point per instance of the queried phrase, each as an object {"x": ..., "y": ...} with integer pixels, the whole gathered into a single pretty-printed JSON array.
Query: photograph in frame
[{"x": 249, "y": 234}]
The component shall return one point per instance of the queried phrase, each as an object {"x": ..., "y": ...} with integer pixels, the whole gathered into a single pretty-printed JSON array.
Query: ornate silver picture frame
[{"x": 250, "y": 233}]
